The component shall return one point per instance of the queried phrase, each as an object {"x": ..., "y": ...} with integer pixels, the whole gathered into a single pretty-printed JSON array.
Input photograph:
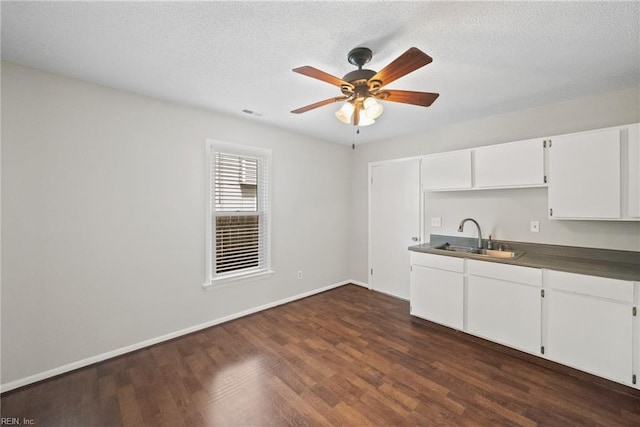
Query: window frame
[{"x": 264, "y": 208}]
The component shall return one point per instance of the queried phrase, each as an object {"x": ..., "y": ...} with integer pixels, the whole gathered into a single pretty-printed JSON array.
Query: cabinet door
[
  {"x": 516, "y": 164},
  {"x": 437, "y": 295},
  {"x": 636, "y": 343},
  {"x": 633, "y": 172},
  {"x": 505, "y": 312},
  {"x": 447, "y": 171},
  {"x": 590, "y": 334},
  {"x": 584, "y": 175}
]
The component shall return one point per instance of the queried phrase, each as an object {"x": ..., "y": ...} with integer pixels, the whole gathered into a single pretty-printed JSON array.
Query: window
[{"x": 238, "y": 229}]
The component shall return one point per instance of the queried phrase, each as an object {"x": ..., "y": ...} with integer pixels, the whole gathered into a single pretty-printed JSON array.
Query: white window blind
[{"x": 240, "y": 213}]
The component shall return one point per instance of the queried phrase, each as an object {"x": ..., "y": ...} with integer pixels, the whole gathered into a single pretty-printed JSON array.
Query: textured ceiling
[{"x": 488, "y": 57}]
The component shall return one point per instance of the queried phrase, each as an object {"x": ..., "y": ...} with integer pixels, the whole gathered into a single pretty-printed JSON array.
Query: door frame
[{"x": 370, "y": 167}]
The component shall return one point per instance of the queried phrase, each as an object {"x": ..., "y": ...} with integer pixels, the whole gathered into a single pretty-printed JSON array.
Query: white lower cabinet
[
  {"x": 589, "y": 324},
  {"x": 636, "y": 343},
  {"x": 504, "y": 304},
  {"x": 586, "y": 322},
  {"x": 437, "y": 289}
]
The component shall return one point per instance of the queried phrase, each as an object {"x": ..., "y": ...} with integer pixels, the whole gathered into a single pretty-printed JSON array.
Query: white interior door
[{"x": 394, "y": 224}]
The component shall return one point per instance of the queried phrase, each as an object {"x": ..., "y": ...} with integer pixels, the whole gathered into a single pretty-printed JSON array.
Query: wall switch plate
[
  {"x": 436, "y": 221},
  {"x": 535, "y": 226}
]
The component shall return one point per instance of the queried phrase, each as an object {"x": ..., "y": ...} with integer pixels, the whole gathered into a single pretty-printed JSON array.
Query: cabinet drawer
[
  {"x": 512, "y": 273},
  {"x": 438, "y": 261},
  {"x": 620, "y": 290}
]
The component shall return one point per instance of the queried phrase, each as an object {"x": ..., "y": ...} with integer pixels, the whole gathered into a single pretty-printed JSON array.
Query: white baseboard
[
  {"x": 137, "y": 346},
  {"x": 355, "y": 282}
]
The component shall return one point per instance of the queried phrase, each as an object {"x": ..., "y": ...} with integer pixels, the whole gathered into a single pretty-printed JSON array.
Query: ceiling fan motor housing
[
  {"x": 359, "y": 79},
  {"x": 359, "y": 56}
]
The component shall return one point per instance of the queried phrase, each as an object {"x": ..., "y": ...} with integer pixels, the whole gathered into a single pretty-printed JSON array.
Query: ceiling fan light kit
[
  {"x": 345, "y": 112},
  {"x": 362, "y": 88}
]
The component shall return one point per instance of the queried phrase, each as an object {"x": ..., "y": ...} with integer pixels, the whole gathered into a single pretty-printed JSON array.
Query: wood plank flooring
[{"x": 348, "y": 357}]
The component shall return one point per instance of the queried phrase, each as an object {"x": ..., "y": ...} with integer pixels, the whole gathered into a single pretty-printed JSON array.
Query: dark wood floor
[{"x": 348, "y": 356}]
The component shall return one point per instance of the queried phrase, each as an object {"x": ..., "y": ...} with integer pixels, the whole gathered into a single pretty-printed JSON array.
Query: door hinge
[
  {"x": 371, "y": 180},
  {"x": 372, "y": 271},
  {"x": 542, "y": 293},
  {"x": 544, "y": 143},
  {"x": 634, "y": 311},
  {"x": 633, "y": 378},
  {"x": 411, "y": 268},
  {"x": 550, "y": 212},
  {"x": 545, "y": 179},
  {"x": 549, "y": 141},
  {"x": 542, "y": 349}
]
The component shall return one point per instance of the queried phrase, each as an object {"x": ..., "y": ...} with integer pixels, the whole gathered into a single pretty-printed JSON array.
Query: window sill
[{"x": 218, "y": 283}]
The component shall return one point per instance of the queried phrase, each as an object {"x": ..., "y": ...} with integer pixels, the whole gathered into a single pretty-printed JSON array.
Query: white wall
[
  {"x": 103, "y": 219},
  {"x": 506, "y": 213}
]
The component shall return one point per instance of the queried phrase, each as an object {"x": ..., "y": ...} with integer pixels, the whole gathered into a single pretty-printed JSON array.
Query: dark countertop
[{"x": 623, "y": 265}]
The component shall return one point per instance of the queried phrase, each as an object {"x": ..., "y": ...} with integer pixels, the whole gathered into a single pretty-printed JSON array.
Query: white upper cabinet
[
  {"x": 447, "y": 171},
  {"x": 510, "y": 165},
  {"x": 584, "y": 175},
  {"x": 631, "y": 169},
  {"x": 515, "y": 164},
  {"x": 591, "y": 175},
  {"x": 594, "y": 175}
]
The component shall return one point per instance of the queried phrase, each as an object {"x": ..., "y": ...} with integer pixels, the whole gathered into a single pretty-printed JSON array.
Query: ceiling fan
[{"x": 361, "y": 88}]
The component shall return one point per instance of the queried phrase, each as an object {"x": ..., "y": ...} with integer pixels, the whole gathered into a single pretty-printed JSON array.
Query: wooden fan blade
[
  {"x": 321, "y": 75},
  {"x": 423, "y": 99},
  {"x": 409, "y": 61},
  {"x": 319, "y": 104}
]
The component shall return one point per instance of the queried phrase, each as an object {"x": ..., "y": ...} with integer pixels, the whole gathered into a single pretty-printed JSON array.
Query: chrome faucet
[{"x": 460, "y": 228}]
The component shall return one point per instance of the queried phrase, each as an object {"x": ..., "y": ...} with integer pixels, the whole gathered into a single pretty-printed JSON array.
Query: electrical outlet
[
  {"x": 436, "y": 221},
  {"x": 300, "y": 274},
  {"x": 535, "y": 227}
]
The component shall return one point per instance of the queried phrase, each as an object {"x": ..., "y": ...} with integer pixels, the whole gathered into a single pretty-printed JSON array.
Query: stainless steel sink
[{"x": 491, "y": 253}]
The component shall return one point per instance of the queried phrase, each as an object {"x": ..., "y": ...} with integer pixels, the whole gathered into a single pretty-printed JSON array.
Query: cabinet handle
[{"x": 415, "y": 239}]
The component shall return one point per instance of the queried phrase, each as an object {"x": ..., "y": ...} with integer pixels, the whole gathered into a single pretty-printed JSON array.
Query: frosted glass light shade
[
  {"x": 345, "y": 112},
  {"x": 373, "y": 108},
  {"x": 365, "y": 120}
]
